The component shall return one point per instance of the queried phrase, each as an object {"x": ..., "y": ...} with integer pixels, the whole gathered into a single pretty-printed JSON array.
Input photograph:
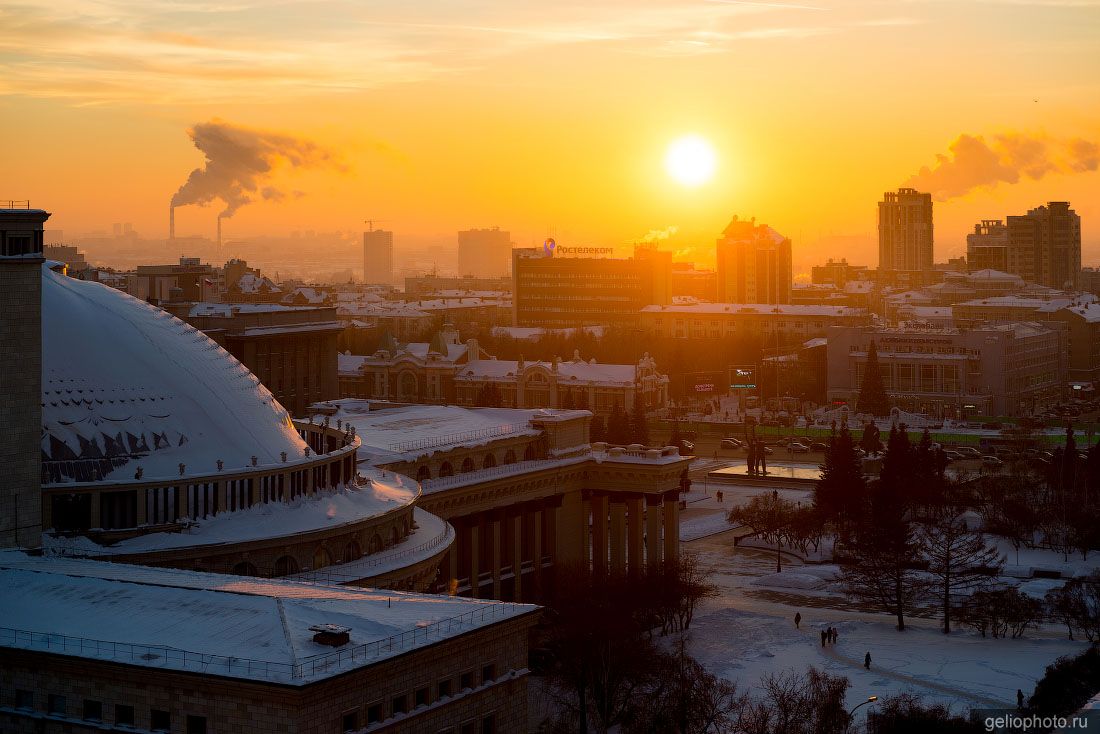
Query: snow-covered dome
[{"x": 127, "y": 385}]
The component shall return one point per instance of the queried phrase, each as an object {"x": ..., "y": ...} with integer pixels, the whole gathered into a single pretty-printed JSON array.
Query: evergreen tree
[
  {"x": 1069, "y": 462},
  {"x": 567, "y": 400},
  {"x": 1092, "y": 472},
  {"x": 842, "y": 490},
  {"x": 872, "y": 393},
  {"x": 597, "y": 431},
  {"x": 870, "y": 441},
  {"x": 639, "y": 427},
  {"x": 676, "y": 439},
  {"x": 618, "y": 426}
]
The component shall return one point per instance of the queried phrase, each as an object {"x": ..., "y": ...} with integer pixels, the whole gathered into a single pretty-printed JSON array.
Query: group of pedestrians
[{"x": 828, "y": 636}]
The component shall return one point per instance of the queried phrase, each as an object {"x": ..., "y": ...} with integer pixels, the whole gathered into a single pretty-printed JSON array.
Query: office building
[
  {"x": 771, "y": 324},
  {"x": 484, "y": 253},
  {"x": 754, "y": 264},
  {"x": 378, "y": 256},
  {"x": 987, "y": 246},
  {"x": 837, "y": 272},
  {"x": 905, "y": 236}
]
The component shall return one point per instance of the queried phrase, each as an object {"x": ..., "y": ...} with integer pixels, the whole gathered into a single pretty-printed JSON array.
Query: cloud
[
  {"x": 240, "y": 162},
  {"x": 972, "y": 162}
]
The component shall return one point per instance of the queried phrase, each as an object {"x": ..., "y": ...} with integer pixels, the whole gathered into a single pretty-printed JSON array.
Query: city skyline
[{"x": 558, "y": 122}]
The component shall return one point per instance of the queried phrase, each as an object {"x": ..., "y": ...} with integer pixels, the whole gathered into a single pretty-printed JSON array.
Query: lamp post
[{"x": 870, "y": 699}]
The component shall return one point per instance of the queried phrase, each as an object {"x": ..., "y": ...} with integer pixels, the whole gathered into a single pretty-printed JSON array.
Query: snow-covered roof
[
  {"x": 252, "y": 283},
  {"x": 207, "y": 308},
  {"x": 349, "y": 364},
  {"x": 575, "y": 370},
  {"x": 308, "y": 294},
  {"x": 782, "y": 309},
  {"x": 66, "y": 606},
  {"x": 125, "y": 383},
  {"x": 534, "y": 333},
  {"x": 990, "y": 274}
]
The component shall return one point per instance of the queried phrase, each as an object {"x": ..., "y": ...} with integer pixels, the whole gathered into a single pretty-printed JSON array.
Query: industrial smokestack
[{"x": 172, "y": 223}]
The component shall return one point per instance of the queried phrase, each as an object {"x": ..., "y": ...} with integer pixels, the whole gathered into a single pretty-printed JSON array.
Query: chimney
[
  {"x": 331, "y": 634},
  {"x": 171, "y": 223}
]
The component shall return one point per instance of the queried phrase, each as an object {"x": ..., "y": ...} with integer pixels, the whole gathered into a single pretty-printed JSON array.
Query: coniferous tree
[
  {"x": 639, "y": 427},
  {"x": 618, "y": 426},
  {"x": 842, "y": 490},
  {"x": 1069, "y": 463},
  {"x": 597, "y": 430},
  {"x": 872, "y": 393}
]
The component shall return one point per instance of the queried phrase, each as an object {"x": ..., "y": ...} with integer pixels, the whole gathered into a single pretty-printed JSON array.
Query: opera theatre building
[{"x": 180, "y": 554}]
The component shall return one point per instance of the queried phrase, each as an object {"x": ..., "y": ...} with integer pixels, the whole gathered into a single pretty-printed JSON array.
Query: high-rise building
[
  {"x": 484, "y": 252},
  {"x": 378, "y": 256},
  {"x": 1044, "y": 245},
  {"x": 754, "y": 264},
  {"x": 905, "y": 234},
  {"x": 987, "y": 246}
]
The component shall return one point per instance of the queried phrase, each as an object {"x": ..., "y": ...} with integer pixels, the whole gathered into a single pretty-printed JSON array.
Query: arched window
[
  {"x": 423, "y": 473},
  {"x": 529, "y": 452},
  {"x": 394, "y": 537},
  {"x": 352, "y": 552},
  {"x": 408, "y": 387},
  {"x": 489, "y": 462},
  {"x": 446, "y": 470},
  {"x": 467, "y": 465},
  {"x": 375, "y": 543},
  {"x": 510, "y": 457},
  {"x": 321, "y": 558},
  {"x": 286, "y": 565},
  {"x": 244, "y": 568}
]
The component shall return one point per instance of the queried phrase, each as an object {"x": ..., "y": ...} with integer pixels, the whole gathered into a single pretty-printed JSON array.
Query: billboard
[
  {"x": 704, "y": 383},
  {"x": 743, "y": 378}
]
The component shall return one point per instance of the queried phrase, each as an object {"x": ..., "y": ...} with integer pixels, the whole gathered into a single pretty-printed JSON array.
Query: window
[
  {"x": 124, "y": 715},
  {"x": 488, "y": 672},
  {"x": 56, "y": 703},
  {"x": 470, "y": 727},
  {"x": 24, "y": 700},
  {"x": 160, "y": 720},
  {"x": 350, "y": 721},
  {"x": 374, "y": 713},
  {"x": 196, "y": 724},
  {"x": 489, "y": 724},
  {"x": 420, "y": 698},
  {"x": 445, "y": 688},
  {"x": 93, "y": 710},
  {"x": 400, "y": 704},
  {"x": 467, "y": 680}
]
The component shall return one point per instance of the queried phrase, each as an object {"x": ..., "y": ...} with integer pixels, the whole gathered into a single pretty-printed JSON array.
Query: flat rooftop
[{"x": 220, "y": 625}]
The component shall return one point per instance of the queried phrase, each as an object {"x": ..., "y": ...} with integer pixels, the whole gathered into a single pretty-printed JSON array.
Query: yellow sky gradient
[{"x": 548, "y": 119}]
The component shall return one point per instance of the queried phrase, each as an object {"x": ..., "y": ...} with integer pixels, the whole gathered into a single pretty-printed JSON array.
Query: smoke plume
[
  {"x": 239, "y": 162},
  {"x": 972, "y": 162},
  {"x": 658, "y": 235}
]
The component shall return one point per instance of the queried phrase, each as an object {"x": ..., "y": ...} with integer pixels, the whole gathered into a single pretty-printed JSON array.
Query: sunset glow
[{"x": 691, "y": 160}]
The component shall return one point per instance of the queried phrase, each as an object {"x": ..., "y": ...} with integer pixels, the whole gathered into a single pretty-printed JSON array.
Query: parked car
[
  {"x": 688, "y": 446},
  {"x": 818, "y": 446},
  {"x": 991, "y": 461},
  {"x": 731, "y": 443},
  {"x": 951, "y": 455},
  {"x": 769, "y": 450},
  {"x": 968, "y": 451},
  {"x": 798, "y": 448}
]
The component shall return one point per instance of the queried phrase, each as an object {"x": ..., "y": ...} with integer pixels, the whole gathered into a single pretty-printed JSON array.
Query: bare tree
[
  {"x": 1077, "y": 605},
  {"x": 769, "y": 516},
  {"x": 959, "y": 559}
]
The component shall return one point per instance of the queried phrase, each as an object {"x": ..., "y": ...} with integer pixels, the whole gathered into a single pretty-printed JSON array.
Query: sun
[{"x": 691, "y": 160}]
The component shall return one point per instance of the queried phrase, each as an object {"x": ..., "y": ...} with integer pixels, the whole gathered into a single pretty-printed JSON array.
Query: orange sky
[{"x": 549, "y": 119}]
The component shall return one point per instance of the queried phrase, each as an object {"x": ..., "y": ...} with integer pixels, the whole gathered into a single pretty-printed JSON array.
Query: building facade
[
  {"x": 996, "y": 370},
  {"x": 378, "y": 256},
  {"x": 987, "y": 246},
  {"x": 1044, "y": 245},
  {"x": 484, "y": 253},
  {"x": 786, "y": 324},
  {"x": 552, "y": 289},
  {"x": 754, "y": 264},
  {"x": 905, "y": 234}
]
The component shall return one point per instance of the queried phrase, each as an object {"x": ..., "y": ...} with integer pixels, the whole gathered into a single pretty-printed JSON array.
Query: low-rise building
[
  {"x": 1000, "y": 369},
  {"x": 787, "y": 323}
]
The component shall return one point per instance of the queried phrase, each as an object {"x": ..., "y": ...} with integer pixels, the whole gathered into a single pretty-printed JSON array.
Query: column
[
  {"x": 653, "y": 512},
  {"x": 569, "y": 528},
  {"x": 181, "y": 502},
  {"x": 635, "y": 535},
  {"x": 95, "y": 521},
  {"x": 618, "y": 537},
  {"x": 286, "y": 486},
  {"x": 475, "y": 570},
  {"x": 223, "y": 496},
  {"x": 599, "y": 533},
  {"x": 536, "y": 546},
  {"x": 672, "y": 529},
  {"x": 309, "y": 477},
  {"x": 141, "y": 510},
  {"x": 452, "y": 558},
  {"x": 517, "y": 555},
  {"x": 496, "y": 558}
]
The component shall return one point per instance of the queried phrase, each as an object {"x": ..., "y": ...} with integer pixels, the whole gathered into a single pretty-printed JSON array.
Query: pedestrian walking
[
  {"x": 823, "y": 638},
  {"x": 867, "y": 661},
  {"x": 835, "y": 633},
  {"x": 797, "y": 620},
  {"x": 1019, "y": 699},
  {"x": 718, "y": 494}
]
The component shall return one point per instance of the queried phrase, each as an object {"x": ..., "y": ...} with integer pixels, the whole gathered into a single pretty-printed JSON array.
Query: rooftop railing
[
  {"x": 15, "y": 204},
  {"x": 451, "y": 439}
]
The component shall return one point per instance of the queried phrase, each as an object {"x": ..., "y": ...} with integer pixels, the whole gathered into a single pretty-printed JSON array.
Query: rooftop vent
[{"x": 332, "y": 635}]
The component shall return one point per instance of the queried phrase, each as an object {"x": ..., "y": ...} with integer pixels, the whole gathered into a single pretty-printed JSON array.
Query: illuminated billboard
[{"x": 742, "y": 378}]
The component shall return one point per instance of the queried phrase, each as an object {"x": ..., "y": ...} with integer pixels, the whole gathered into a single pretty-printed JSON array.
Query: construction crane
[{"x": 370, "y": 223}]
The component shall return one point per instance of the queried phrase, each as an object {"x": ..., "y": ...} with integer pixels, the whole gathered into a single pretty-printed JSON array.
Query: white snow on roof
[
  {"x": 577, "y": 371},
  {"x": 206, "y": 308},
  {"x": 251, "y": 283},
  {"x": 532, "y": 333},
  {"x": 349, "y": 364},
  {"x": 783, "y": 309},
  {"x": 216, "y": 624},
  {"x": 129, "y": 382}
]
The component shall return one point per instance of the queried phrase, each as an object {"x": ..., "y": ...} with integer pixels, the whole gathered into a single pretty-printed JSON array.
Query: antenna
[{"x": 370, "y": 223}]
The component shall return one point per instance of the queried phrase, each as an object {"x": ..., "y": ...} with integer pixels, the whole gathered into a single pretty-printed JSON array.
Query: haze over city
[{"x": 470, "y": 366}]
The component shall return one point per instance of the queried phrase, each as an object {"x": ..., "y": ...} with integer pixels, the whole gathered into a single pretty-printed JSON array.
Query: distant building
[
  {"x": 431, "y": 285},
  {"x": 378, "y": 256},
  {"x": 559, "y": 290},
  {"x": 291, "y": 349},
  {"x": 484, "y": 252},
  {"x": 687, "y": 280},
  {"x": 997, "y": 370},
  {"x": 837, "y": 272},
  {"x": 754, "y": 264},
  {"x": 987, "y": 246},
  {"x": 768, "y": 323},
  {"x": 68, "y": 254},
  {"x": 190, "y": 280},
  {"x": 1044, "y": 245},
  {"x": 1089, "y": 281},
  {"x": 244, "y": 284},
  {"x": 905, "y": 235}
]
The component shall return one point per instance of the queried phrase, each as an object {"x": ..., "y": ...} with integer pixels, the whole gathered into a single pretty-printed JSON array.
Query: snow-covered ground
[{"x": 748, "y": 631}]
